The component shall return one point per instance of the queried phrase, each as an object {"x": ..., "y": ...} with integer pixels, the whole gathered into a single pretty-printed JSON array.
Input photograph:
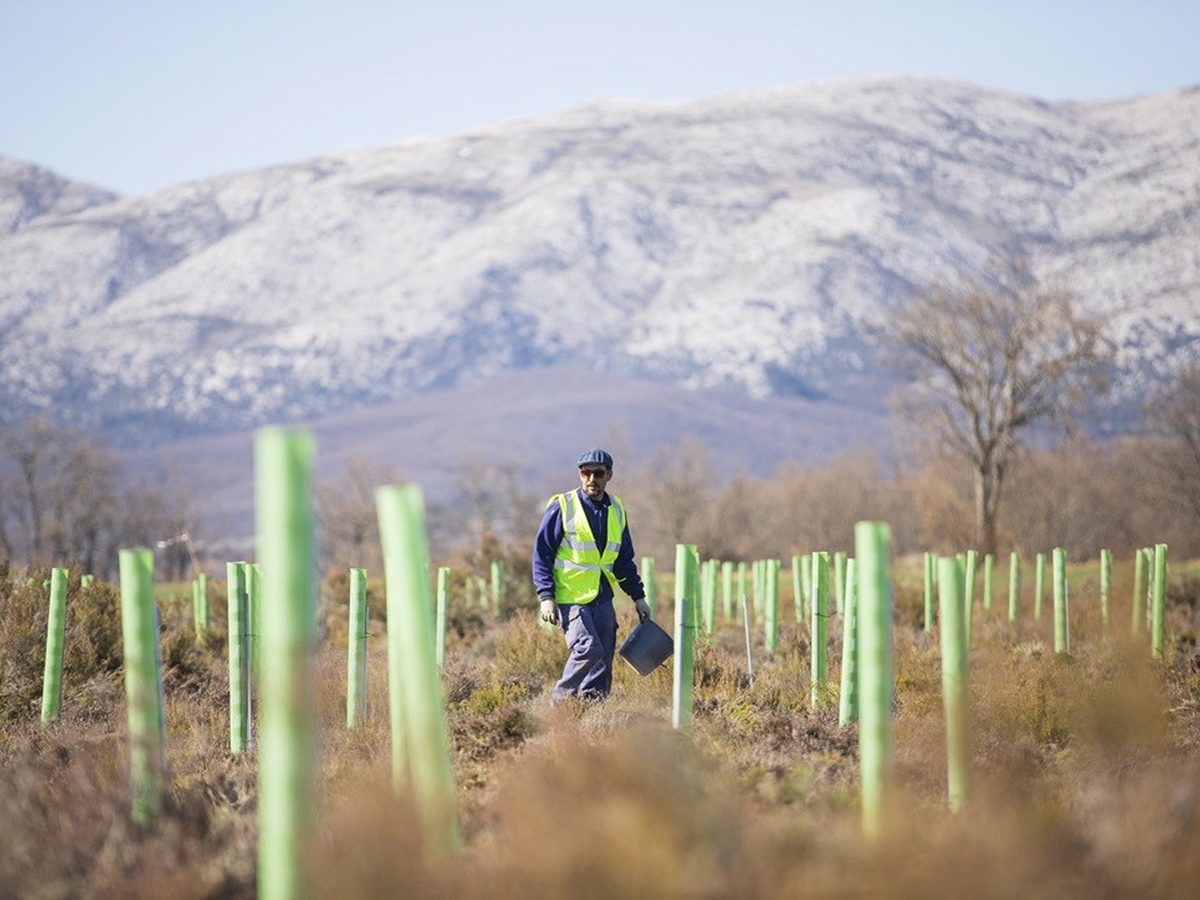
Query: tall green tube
[
  {"x": 145, "y": 715},
  {"x": 410, "y": 633},
  {"x": 254, "y": 603},
  {"x": 969, "y": 594},
  {"x": 200, "y": 606},
  {"x": 1014, "y": 585},
  {"x": 443, "y": 591},
  {"x": 848, "y": 700},
  {"x": 708, "y": 594},
  {"x": 196, "y": 611},
  {"x": 820, "y": 630},
  {"x": 1105, "y": 588},
  {"x": 740, "y": 610},
  {"x": 806, "y": 586},
  {"x": 1160, "y": 588},
  {"x": 929, "y": 576},
  {"x": 760, "y": 587},
  {"x": 797, "y": 593},
  {"x": 1039, "y": 586},
  {"x": 239, "y": 658},
  {"x": 356, "y": 655},
  {"x": 686, "y": 563},
  {"x": 872, "y": 547},
  {"x": 497, "y": 584},
  {"x": 989, "y": 561},
  {"x": 955, "y": 681},
  {"x": 1062, "y": 624},
  {"x": 771, "y": 602},
  {"x": 285, "y": 603},
  {"x": 1148, "y": 552},
  {"x": 52, "y": 671},
  {"x": 1139, "y": 591},
  {"x": 839, "y": 580},
  {"x": 727, "y": 591},
  {"x": 650, "y": 585}
]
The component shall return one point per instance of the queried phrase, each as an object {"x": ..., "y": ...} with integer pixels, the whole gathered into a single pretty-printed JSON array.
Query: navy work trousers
[{"x": 591, "y": 632}]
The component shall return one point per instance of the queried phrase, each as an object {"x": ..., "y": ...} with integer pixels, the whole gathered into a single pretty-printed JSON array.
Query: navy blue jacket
[{"x": 550, "y": 535}]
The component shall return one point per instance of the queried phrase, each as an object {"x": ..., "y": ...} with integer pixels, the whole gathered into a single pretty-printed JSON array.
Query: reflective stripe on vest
[{"x": 579, "y": 562}]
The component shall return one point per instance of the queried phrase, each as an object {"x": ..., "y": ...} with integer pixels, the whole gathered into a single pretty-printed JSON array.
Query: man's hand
[
  {"x": 550, "y": 612},
  {"x": 643, "y": 609}
]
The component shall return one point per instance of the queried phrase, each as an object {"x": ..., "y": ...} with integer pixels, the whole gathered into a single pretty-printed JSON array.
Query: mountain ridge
[{"x": 745, "y": 241}]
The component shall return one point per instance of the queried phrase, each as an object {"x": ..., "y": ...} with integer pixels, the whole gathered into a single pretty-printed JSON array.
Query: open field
[{"x": 1085, "y": 768}]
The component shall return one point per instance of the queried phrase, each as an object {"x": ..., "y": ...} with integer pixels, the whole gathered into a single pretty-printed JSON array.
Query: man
[{"x": 582, "y": 552}]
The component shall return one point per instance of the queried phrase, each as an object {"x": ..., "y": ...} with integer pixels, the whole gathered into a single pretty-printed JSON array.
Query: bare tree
[
  {"x": 1174, "y": 417},
  {"x": 347, "y": 517},
  {"x": 990, "y": 356},
  {"x": 61, "y": 496},
  {"x": 673, "y": 497}
]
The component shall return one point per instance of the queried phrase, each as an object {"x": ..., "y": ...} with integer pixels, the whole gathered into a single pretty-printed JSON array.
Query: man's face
[{"x": 594, "y": 480}]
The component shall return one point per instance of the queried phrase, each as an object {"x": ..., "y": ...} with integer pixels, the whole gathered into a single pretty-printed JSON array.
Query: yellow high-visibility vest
[{"x": 580, "y": 561}]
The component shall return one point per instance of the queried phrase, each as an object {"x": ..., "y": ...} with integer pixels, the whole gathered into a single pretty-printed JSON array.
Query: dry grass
[{"x": 1086, "y": 775}]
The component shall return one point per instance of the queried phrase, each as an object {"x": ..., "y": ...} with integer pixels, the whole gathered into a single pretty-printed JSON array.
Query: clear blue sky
[{"x": 138, "y": 95}]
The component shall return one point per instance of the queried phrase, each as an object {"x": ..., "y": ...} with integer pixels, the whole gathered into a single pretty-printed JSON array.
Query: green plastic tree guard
[
  {"x": 741, "y": 589},
  {"x": 52, "y": 671},
  {"x": 872, "y": 547},
  {"x": 196, "y": 611},
  {"x": 759, "y": 588},
  {"x": 806, "y": 585},
  {"x": 1139, "y": 591},
  {"x": 839, "y": 580},
  {"x": 286, "y": 604},
  {"x": 1014, "y": 585},
  {"x": 1062, "y": 625},
  {"x": 848, "y": 700},
  {"x": 727, "y": 591},
  {"x": 820, "y": 630},
  {"x": 771, "y": 602},
  {"x": 201, "y": 606},
  {"x": 1148, "y": 552},
  {"x": 929, "y": 576},
  {"x": 989, "y": 562},
  {"x": 708, "y": 594},
  {"x": 797, "y": 593},
  {"x": 254, "y": 605},
  {"x": 410, "y": 633},
  {"x": 142, "y": 695},
  {"x": 969, "y": 594},
  {"x": 1105, "y": 588},
  {"x": 481, "y": 588},
  {"x": 1039, "y": 585},
  {"x": 239, "y": 658},
  {"x": 443, "y": 591},
  {"x": 687, "y": 562},
  {"x": 650, "y": 584},
  {"x": 497, "y": 584},
  {"x": 356, "y": 655},
  {"x": 1160, "y": 588},
  {"x": 955, "y": 681}
]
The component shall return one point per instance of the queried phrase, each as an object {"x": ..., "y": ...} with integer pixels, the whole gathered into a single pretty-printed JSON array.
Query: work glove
[
  {"x": 643, "y": 609},
  {"x": 550, "y": 612}
]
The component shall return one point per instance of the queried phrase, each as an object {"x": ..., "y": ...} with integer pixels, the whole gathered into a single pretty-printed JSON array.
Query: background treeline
[
  {"x": 64, "y": 499},
  {"x": 1083, "y": 495}
]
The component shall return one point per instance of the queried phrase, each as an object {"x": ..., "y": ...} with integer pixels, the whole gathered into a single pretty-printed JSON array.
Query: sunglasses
[{"x": 593, "y": 473}]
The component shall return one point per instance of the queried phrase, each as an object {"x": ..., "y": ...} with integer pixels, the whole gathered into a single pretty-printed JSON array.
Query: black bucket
[{"x": 647, "y": 647}]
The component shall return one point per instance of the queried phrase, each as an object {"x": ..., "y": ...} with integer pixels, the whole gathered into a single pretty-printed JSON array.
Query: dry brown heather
[{"x": 1085, "y": 781}]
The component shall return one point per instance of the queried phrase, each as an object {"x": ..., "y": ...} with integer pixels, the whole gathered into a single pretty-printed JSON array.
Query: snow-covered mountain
[{"x": 737, "y": 242}]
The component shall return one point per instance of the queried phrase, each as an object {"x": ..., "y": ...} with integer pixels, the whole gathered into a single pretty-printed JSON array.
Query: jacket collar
[{"x": 604, "y": 501}]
